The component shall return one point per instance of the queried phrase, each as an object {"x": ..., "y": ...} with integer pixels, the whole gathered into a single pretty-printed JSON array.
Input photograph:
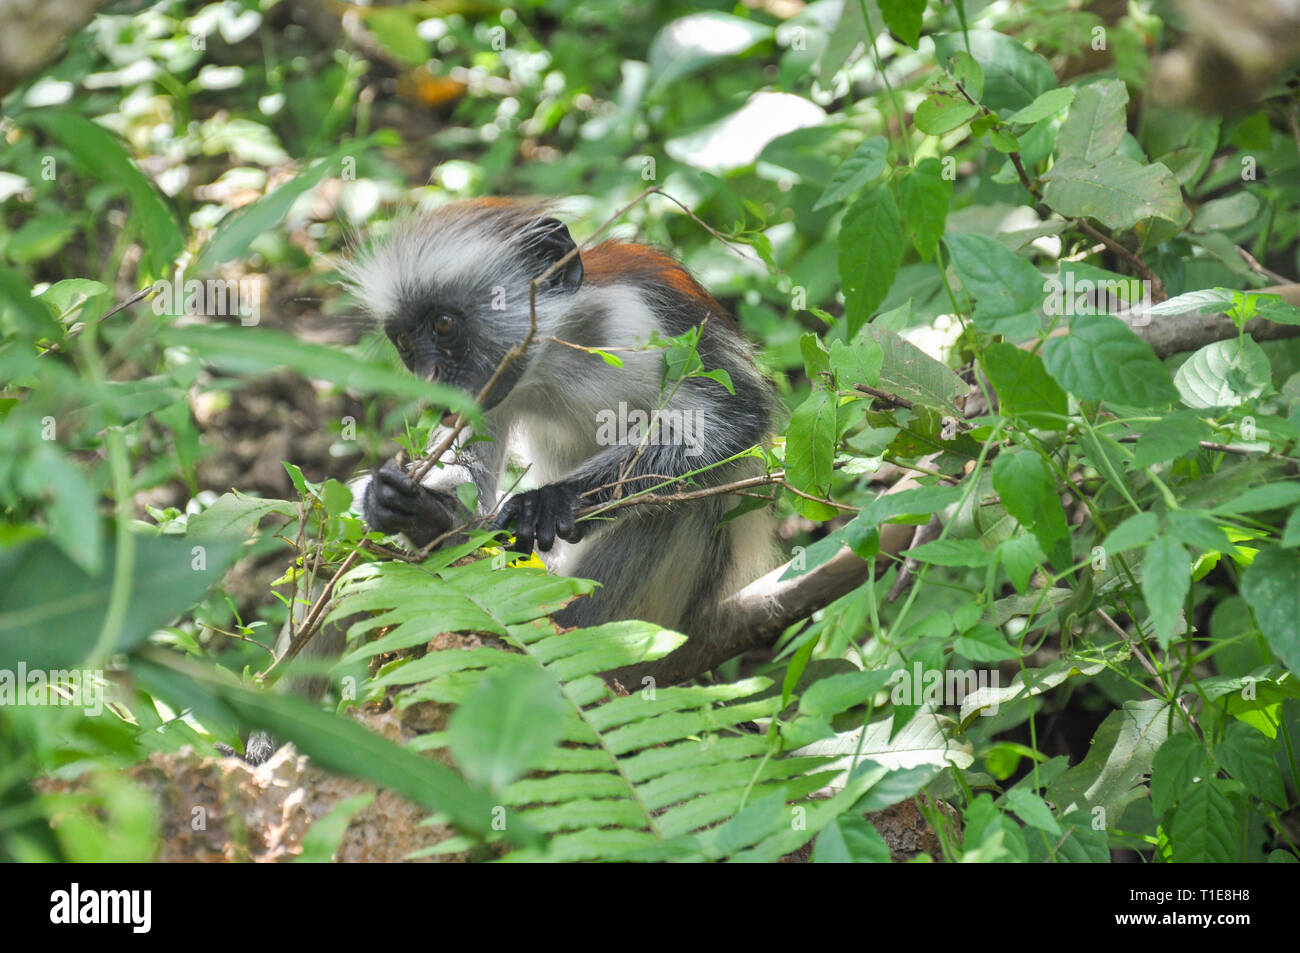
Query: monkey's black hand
[
  {"x": 541, "y": 515},
  {"x": 394, "y": 503}
]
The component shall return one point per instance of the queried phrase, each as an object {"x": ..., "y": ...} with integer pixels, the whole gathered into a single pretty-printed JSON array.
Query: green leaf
[
  {"x": 909, "y": 372},
  {"x": 858, "y": 362},
  {"x": 51, "y": 610},
  {"x": 1205, "y": 828},
  {"x": 1097, "y": 122},
  {"x": 924, "y": 196},
  {"x": 1137, "y": 530},
  {"x": 251, "y": 350},
  {"x": 942, "y": 112},
  {"x": 833, "y": 694},
  {"x": 1117, "y": 191},
  {"x": 1023, "y": 385},
  {"x": 73, "y": 510},
  {"x": 102, "y": 155},
  {"x": 921, "y": 500},
  {"x": 697, "y": 41},
  {"x": 871, "y": 249},
  {"x": 1102, "y": 359},
  {"x": 1233, "y": 211},
  {"x": 1259, "y": 499},
  {"x": 1013, "y": 76},
  {"x": 983, "y": 643},
  {"x": 506, "y": 727},
  {"x": 1251, "y": 758},
  {"x": 1007, "y": 289},
  {"x": 810, "y": 444},
  {"x": 395, "y": 30},
  {"x": 904, "y": 18},
  {"x": 1271, "y": 584},
  {"x": 1048, "y": 104},
  {"x": 1166, "y": 580},
  {"x": 952, "y": 552},
  {"x": 863, "y": 167},
  {"x": 1170, "y": 437},
  {"x": 850, "y": 839},
  {"x": 1020, "y": 556},
  {"x": 1223, "y": 374},
  {"x": 323, "y": 839},
  {"x": 1028, "y": 493},
  {"x": 1033, "y": 810},
  {"x": 1120, "y": 755},
  {"x": 1177, "y": 765},
  {"x": 238, "y": 230}
]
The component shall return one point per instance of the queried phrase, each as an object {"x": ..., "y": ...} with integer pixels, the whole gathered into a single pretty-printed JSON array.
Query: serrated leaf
[
  {"x": 1013, "y": 76},
  {"x": 863, "y": 167},
  {"x": 1097, "y": 122},
  {"x": 1102, "y": 359},
  {"x": 1007, "y": 289},
  {"x": 909, "y": 372},
  {"x": 1117, "y": 191},
  {"x": 1223, "y": 374},
  {"x": 1271, "y": 584},
  {"x": 1166, "y": 580},
  {"x": 1023, "y": 386},
  {"x": 924, "y": 196},
  {"x": 1028, "y": 493},
  {"x": 871, "y": 249}
]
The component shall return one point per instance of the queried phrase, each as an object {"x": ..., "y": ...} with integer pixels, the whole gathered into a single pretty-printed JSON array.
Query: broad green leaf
[
  {"x": 1137, "y": 530},
  {"x": 1171, "y": 437},
  {"x": 850, "y": 839},
  {"x": 1020, "y": 556},
  {"x": 836, "y": 693},
  {"x": 1251, "y": 758},
  {"x": 1013, "y": 76},
  {"x": 1223, "y": 374},
  {"x": 909, "y": 372},
  {"x": 983, "y": 643},
  {"x": 73, "y": 508},
  {"x": 1097, "y": 122},
  {"x": 1225, "y": 213},
  {"x": 1259, "y": 499},
  {"x": 1102, "y": 359},
  {"x": 1177, "y": 765},
  {"x": 871, "y": 249},
  {"x": 1033, "y": 810},
  {"x": 1205, "y": 828},
  {"x": 506, "y": 726},
  {"x": 1029, "y": 493},
  {"x": 51, "y": 610},
  {"x": 1166, "y": 580},
  {"x": 1007, "y": 289},
  {"x": 904, "y": 18},
  {"x": 858, "y": 362},
  {"x": 921, "y": 500},
  {"x": 1117, "y": 191},
  {"x": 952, "y": 552},
  {"x": 233, "y": 516},
  {"x": 810, "y": 444},
  {"x": 862, "y": 168},
  {"x": 941, "y": 112},
  {"x": 1271, "y": 584},
  {"x": 924, "y": 196},
  {"x": 1048, "y": 104},
  {"x": 1023, "y": 385}
]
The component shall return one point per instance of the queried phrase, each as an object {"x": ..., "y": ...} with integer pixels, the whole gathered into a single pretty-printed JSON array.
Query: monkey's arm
[{"x": 392, "y": 502}]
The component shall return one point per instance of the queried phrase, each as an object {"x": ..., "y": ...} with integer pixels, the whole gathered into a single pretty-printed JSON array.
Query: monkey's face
[
  {"x": 453, "y": 289},
  {"x": 439, "y": 340}
]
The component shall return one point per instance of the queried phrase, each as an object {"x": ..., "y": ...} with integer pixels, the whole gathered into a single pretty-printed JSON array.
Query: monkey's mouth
[{"x": 449, "y": 418}]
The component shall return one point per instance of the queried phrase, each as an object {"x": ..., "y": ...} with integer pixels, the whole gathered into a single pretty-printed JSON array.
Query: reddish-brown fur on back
[{"x": 622, "y": 262}]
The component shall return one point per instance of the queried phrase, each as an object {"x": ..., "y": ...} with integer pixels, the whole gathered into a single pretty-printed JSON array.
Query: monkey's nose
[{"x": 436, "y": 373}]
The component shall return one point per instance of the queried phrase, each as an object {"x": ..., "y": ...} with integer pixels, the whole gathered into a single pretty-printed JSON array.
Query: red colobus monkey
[{"x": 451, "y": 291}]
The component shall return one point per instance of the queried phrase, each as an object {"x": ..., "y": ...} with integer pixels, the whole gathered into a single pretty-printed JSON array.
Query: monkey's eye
[
  {"x": 402, "y": 343},
  {"x": 444, "y": 325}
]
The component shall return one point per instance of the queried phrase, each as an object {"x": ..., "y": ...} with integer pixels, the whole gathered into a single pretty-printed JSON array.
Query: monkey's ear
[{"x": 548, "y": 244}]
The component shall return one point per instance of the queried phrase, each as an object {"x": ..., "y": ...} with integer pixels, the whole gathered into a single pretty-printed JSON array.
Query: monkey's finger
[
  {"x": 546, "y": 523},
  {"x": 390, "y": 476},
  {"x": 509, "y": 510},
  {"x": 565, "y": 525},
  {"x": 526, "y": 525}
]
